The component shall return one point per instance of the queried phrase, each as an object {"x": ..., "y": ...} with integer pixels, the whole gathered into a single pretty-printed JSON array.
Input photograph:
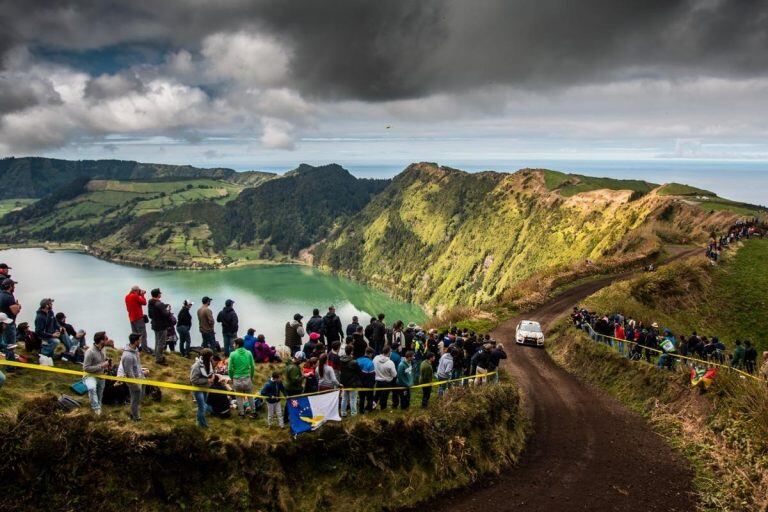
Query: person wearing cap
[
  {"x": 183, "y": 328},
  {"x": 311, "y": 344},
  {"x": 160, "y": 316},
  {"x": 294, "y": 332},
  {"x": 227, "y": 317},
  {"x": 11, "y": 307},
  {"x": 46, "y": 328},
  {"x": 130, "y": 363},
  {"x": 332, "y": 327},
  {"x": 95, "y": 362},
  {"x": 4, "y": 274},
  {"x": 135, "y": 301},
  {"x": 206, "y": 325}
]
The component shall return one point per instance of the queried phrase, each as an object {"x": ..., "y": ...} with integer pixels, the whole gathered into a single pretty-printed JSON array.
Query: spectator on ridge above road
[
  {"x": 134, "y": 303},
  {"x": 206, "y": 325},
  {"x": 227, "y": 317},
  {"x": 332, "y": 330},
  {"x": 160, "y": 316}
]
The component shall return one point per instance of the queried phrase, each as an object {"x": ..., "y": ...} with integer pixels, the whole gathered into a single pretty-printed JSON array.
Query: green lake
[{"x": 91, "y": 291}]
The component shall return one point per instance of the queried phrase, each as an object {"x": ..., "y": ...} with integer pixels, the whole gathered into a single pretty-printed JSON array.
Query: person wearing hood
[
  {"x": 201, "y": 376},
  {"x": 386, "y": 376},
  {"x": 332, "y": 327},
  {"x": 227, "y": 317},
  {"x": 294, "y": 332}
]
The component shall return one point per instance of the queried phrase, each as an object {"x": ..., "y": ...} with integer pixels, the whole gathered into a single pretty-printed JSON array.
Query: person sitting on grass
[
  {"x": 219, "y": 402},
  {"x": 272, "y": 390},
  {"x": 263, "y": 353},
  {"x": 249, "y": 342}
]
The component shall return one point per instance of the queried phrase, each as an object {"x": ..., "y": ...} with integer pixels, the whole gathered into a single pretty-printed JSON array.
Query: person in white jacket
[
  {"x": 386, "y": 377},
  {"x": 444, "y": 370}
]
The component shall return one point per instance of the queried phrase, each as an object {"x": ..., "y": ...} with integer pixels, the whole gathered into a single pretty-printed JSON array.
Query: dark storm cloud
[{"x": 391, "y": 49}]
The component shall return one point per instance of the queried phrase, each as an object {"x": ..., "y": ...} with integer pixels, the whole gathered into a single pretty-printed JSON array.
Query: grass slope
[
  {"x": 12, "y": 205},
  {"x": 568, "y": 185},
  {"x": 399, "y": 458},
  {"x": 724, "y": 433},
  {"x": 728, "y": 300},
  {"x": 443, "y": 237}
]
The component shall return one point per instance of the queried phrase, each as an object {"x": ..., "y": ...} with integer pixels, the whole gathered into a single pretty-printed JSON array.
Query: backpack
[{"x": 67, "y": 403}]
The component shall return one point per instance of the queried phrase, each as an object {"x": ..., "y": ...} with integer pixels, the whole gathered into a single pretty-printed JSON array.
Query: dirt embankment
[{"x": 54, "y": 461}]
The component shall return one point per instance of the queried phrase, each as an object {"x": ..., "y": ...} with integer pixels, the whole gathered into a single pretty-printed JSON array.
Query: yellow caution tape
[
  {"x": 188, "y": 387},
  {"x": 678, "y": 356}
]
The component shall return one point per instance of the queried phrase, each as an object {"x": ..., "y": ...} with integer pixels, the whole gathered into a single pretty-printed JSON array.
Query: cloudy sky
[{"x": 264, "y": 84}]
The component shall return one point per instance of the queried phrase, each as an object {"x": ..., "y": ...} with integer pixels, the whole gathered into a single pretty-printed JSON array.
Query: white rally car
[{"x": 529, "y": 332}]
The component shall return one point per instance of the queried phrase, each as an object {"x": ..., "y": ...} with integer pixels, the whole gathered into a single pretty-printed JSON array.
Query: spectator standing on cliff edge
[
  {"x": 332, "y": 327},
  {"x": 294, "y": 332},
  {"x": 134, "y": 303},
  {"x": 227, "y": 317},
  {"x": 206, "y": 323},
  {"x": 160, "y": 316},
  {"x": 183, "y": 327}
]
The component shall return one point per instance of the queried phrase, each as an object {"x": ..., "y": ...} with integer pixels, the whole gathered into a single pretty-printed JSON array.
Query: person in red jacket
[{"x": 134, "y": 303}]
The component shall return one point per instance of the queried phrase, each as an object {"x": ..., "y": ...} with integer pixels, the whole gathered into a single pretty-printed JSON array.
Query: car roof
[{"x": 526, "y": 323}]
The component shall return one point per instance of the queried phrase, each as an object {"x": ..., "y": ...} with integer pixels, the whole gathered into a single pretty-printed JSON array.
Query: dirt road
[{"x": 586, "y": 451}]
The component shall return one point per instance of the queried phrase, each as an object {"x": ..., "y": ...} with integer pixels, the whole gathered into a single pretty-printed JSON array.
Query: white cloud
[
  {"x": 248, "y": 58},
  {"x": 277, "y": 134}
]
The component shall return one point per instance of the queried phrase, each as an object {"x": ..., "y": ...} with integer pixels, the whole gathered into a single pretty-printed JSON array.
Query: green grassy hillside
[
  {"x": 34, "y": 177},
  {"x": 101, "y": 205},
  {"x": 571, "y": 184},
  {"x": 444, "y": 237},
  {"x": 728, "y": 300}
]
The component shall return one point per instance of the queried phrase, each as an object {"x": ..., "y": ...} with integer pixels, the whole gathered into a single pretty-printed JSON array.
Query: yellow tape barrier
[
  {"x": 678, "y": 356},
  {"x": 188, "y": 387}
]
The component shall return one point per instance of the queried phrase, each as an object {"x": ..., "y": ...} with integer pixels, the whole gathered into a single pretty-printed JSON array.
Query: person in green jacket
[
  {"x": 426, "y": 376},
  {"x": 241, "y": 369},
  {"x": 405, "y": 379},
  {"x": 294, "y": 380},
  {"x": 737, "y": 358}
]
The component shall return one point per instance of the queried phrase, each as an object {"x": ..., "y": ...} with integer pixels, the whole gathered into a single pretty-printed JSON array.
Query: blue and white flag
[{"x": 310, "y": 412}]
